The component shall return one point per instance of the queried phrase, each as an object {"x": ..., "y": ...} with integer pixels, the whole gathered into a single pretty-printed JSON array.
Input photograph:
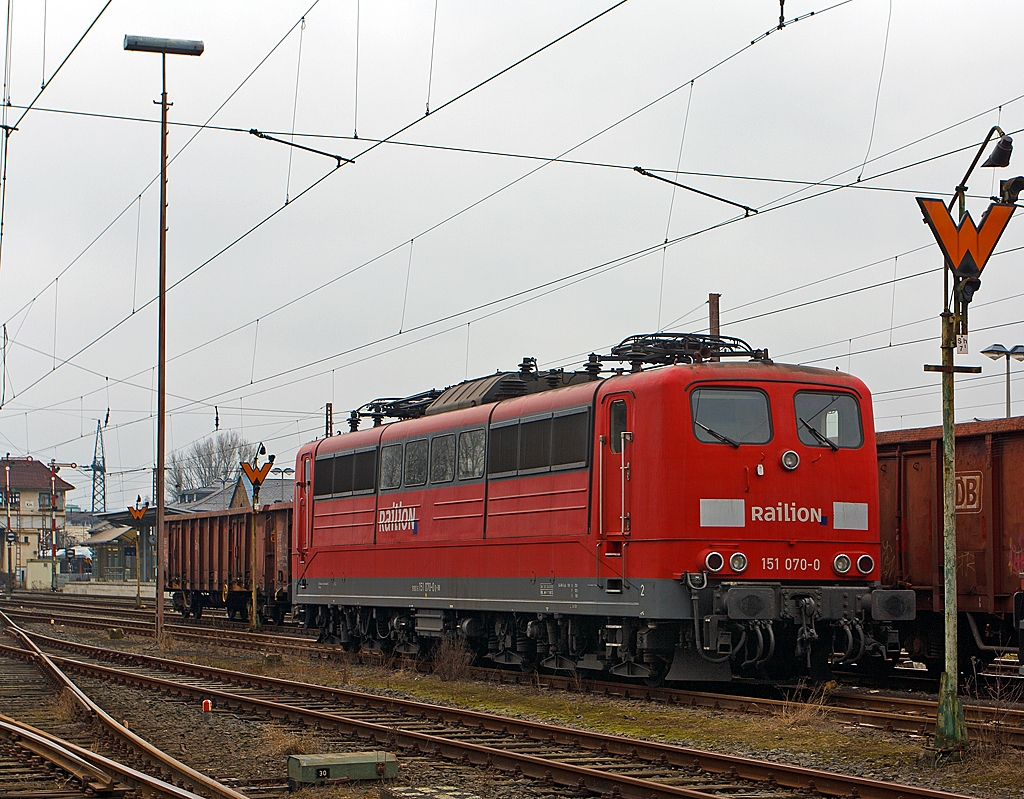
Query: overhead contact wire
[
  {"x": 200, "y": 129},
  {"x": 317, "y": 182}
]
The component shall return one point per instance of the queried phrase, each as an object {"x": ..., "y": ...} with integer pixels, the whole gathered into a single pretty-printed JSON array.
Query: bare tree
[{"x": 207, "y": 461}]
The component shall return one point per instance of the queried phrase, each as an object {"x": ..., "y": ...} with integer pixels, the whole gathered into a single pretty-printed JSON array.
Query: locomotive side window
[
  {"x": 364, "y": 471},
  {"x": 343, "y": 474},
  {"x": 504, "y": 449},
  {"x": 616, "y": 424},
  {"x": 535, "y": 445},
  {"x": 471, "y": 454},
  {"x": 391, "y": 466},
  {"x": 442, "y": 459},
  {"x": 416, "y": 462},
  {"x": 570, "y": 439},
  {"x": 323, "y": 477},
  {"x": 828, "y": 420},
  {"x": 731, "y": 416}
]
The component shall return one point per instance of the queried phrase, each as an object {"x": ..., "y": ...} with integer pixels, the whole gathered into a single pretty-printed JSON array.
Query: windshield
[
  {"x": 828, "y": 420},
  {"x": 731, "y": 416}
]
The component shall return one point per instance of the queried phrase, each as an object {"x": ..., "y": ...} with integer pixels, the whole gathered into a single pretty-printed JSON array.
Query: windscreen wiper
[
  {"x": 827, "y": 441},
  {"x": 716, "y": 434}
]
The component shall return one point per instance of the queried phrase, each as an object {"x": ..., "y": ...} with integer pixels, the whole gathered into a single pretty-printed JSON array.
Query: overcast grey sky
[{"x": 797, "y": 106}]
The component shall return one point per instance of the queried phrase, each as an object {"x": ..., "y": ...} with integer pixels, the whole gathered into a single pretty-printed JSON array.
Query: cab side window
[{"x": 616, "y": 424}]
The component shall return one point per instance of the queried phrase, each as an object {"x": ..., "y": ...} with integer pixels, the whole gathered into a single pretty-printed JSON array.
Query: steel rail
[
  {"x": 178, "y": 771},
  {"x": 120, "y": 607},
  {"x": 774, "y": 775},
  {"x": 56, "y": 752},
  {"x": 894, "y": 714},
  {"x": 241, "y": 639},
  {"x": 94, "y": 771}
]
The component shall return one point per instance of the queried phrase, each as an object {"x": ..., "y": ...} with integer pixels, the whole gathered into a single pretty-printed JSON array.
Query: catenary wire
[
  {"x": 317, "y": 182},
  {"x": 8, "y": 130},
  {"x": 392, "y": 140},
  {"x": 153, "y": 180}
]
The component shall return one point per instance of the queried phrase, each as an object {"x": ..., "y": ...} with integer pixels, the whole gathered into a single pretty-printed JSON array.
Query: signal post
[
  {"x": 966, "y": 248},
  {"x": 255, "y": 475}
]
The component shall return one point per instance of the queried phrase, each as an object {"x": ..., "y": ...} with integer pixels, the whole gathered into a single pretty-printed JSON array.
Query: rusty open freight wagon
[
  {"x": 210, "y": 561},
  {"x": 990, "y": 535}
]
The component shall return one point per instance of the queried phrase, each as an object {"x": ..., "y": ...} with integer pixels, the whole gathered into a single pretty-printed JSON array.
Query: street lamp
[
  {"x": 148, "y": 44},
  {"x": 997, "y": 351}
]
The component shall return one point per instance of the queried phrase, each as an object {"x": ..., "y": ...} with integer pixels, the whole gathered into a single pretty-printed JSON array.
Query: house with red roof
[{"x": 33, "y": 505}]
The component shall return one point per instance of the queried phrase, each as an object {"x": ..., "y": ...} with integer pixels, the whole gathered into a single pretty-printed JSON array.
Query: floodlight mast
[{"x": 165, "y": 47}]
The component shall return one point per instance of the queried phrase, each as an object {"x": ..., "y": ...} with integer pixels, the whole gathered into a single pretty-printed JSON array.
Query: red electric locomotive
[{"x": 708, "y": 514}]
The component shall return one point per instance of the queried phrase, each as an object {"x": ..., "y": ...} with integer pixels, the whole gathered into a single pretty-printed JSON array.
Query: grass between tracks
[{"x": 801, "y": 733}]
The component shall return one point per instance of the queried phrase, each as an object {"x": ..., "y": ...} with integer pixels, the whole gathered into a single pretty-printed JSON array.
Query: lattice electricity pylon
[{"x": 99, "y": 473}]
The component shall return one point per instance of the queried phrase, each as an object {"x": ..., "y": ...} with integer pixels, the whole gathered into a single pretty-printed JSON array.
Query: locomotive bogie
[{"x": 709, "y": 646}]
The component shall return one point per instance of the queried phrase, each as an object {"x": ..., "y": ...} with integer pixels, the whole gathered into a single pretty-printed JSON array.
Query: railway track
[
  {"x": 33, "y": 757},
  {"x": 237, "y": 637},
  {"x": 590, "y": 762},
  {"x": 998, "y": 723},
  {"x": 1005, "y": 668}
]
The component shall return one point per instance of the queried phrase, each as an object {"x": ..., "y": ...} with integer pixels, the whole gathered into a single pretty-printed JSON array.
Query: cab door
[
  {"x": 616, "y": 443},
  {"x": 615, "y": 478},
  {"x": 303, "y": 514}
]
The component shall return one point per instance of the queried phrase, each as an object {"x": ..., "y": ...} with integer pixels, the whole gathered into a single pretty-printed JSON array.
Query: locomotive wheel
[
  {"x": 657, "y": 678},
  {"x": 277, "y": 614}
]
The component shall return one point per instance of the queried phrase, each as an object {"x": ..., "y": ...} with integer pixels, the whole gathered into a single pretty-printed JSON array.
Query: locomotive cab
[{"x": 768, "y": 501}]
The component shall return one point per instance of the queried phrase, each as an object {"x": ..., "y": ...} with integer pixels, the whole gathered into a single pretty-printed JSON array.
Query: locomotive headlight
[
  {"x": 790, "y": 460},
  {"x": 865, "y": 564},
  {"x": 842, "y": 564},
  {"x": 714, "y": 561},
  {"x": 738, "y": 562}
]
